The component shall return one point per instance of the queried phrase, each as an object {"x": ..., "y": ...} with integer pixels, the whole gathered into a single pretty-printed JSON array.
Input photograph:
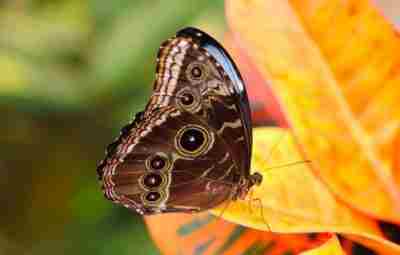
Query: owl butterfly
[{"x": 190, "y": 149}]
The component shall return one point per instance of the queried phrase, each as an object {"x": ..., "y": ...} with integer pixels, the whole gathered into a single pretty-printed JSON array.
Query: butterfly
[{"x": 190, "y": 149}]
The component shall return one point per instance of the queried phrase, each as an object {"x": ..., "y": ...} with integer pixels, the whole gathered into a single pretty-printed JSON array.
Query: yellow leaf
[
  {"x": 291, "y": 199},
  {"x": 335, "y": 67}
]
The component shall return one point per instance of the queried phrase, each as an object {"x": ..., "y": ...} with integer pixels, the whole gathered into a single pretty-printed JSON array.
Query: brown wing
[
  {"x": 196, "y": 75},
  {"x": 172, "y": 161},
  {"x": 199, "y": 89}
]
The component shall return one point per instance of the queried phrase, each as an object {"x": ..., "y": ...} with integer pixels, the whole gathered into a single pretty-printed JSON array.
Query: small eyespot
[
  {"x": 192, "y": 140},
  {"x": 152, "y": 180},
  {"x": 187, "y": 99},
  {"x": 152, "y": 196},
  {"x": 157, "y": 162},
  {"x": 196, "y": 72}
]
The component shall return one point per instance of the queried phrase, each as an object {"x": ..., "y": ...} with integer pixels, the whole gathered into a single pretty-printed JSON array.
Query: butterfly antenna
[
  {"x": 258, "y": 200},
  {"x": 275, "y": 147},
  {"x": 289, "y": 164}
]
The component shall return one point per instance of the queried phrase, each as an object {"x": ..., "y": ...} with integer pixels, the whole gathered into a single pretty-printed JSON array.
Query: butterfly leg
[
  {"x": 256, "y": 179},
  {"x": 258, "y": 200}
]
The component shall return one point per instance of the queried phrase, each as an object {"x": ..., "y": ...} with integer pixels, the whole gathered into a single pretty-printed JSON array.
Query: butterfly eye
[
  {"x": 152, "y": 180},
  {"x": 192, "y": 140}
]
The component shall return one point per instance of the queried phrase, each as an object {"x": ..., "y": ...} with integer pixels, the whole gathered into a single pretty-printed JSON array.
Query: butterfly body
[{"x": 190, "y": 149}]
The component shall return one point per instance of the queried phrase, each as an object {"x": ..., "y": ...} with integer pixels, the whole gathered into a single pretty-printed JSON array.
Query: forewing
[{"x": 220, "y": 97}]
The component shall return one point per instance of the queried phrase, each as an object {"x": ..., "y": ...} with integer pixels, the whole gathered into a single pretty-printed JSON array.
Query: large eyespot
[
  {"x": 192, "y": 140},
  {"x": 153, "y": 197},
  {"x": 158, "y": 162},
  {"x": 196, "y": 72},
  {"x": 152, "y": 180}
]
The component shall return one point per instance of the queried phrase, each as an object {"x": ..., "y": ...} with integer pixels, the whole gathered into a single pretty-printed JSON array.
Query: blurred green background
[{"x": 72, "y": 73}]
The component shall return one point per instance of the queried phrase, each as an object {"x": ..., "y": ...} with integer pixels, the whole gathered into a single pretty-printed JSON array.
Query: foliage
[{"x": 73, "y": 72}]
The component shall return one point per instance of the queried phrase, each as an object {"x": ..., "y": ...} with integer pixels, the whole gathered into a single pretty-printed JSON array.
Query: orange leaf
[
  {"x": 335, "y": 66},
  {"x": 204, "y": 234},
  {"x": 291, "y": 199}
]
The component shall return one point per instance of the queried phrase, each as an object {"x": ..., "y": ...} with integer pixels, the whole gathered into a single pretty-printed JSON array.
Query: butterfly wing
[
  {"x": 199, "y": 89},
  {"x": 195, "y": 74},
  {"x": 171, "y": 161}
]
